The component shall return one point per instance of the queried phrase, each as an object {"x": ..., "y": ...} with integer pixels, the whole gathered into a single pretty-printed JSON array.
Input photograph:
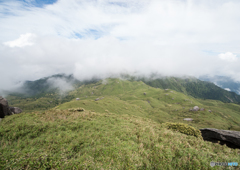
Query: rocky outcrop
[
  {"x": 228, "y": 137},
  {"x": 4, "y": 108},
  {"x": 15, "y": 110},
  {"x": 1, "y": 112}
]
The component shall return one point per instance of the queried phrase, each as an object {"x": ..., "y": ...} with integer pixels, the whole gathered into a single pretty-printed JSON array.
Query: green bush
[{"x": 184, "y": 128}]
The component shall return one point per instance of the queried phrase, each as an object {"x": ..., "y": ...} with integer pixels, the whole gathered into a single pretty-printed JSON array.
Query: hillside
[
  {"x": 63, "y": 139},
  {"x": 123, "y": 96},
  {"x": 122, "y": 126},
  {"x": 223, "y": 82},
  {"x": 194, "y": 87}
]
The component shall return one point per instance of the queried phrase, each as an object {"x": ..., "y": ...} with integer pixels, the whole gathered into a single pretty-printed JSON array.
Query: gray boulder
[
  {"x": 188, "y": 119},
  {"x": 4, "y": 108},
  {"x": 228, "y": 137},
  {"x": 77, "y": 99},
  {"x": 195, "y": 108},
  {"x": 15, "y": 110}
]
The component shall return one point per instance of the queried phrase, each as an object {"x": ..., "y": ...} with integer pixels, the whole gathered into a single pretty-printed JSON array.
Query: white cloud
[
  {"x": 228, "y": 56},
  {"x": 23, "y": 40},
  {"x": 162, "y": 36},
  {"x": 62, "y": 84},
  {"x": 227, "y": 89}
]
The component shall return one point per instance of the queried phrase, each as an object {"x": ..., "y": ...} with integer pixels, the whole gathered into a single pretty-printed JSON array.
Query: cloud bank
[{"x": 105, "y": 37}]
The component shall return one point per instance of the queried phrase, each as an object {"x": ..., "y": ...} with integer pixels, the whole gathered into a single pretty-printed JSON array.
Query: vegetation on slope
[
  {"x": 62, "y": 139},
  {"x": 122, "y": 96},
  {"x": 194, "y": 87}
]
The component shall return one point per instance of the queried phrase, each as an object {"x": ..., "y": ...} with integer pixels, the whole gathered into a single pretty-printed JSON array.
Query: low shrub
[{"x": 184, "y": 128}]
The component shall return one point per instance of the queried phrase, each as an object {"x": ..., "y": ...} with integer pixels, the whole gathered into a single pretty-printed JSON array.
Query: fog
[{"x": 109, "y": 37}]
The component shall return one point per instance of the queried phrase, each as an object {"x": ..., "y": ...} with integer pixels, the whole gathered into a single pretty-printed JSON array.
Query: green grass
[
  {"x": 62, "y": 139},
  {"x": 124, "y": 130},
  {"x": 159, "y": 105}
]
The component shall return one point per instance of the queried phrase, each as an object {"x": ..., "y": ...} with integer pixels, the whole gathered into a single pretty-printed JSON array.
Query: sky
[{"x": 39, "y": 38}]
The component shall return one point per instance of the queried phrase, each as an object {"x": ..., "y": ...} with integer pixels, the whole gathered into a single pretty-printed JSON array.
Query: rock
[
  {"x": 144, "y": 93},
  {"x": 188, "y": 119},
  {"x": 173, "y": 98},
  {"x": 15, "y": 110},
  {"x": 228, "y": 137},
  {"x": 77, "y": 99},
  {"x": 166, "y": 89},
  {"x": 1, "y": 112},
  {"x": 99, "y": 99},
  {"x": 195, "y": 108},
  {"x": 166, "y": 94},
  {"x": 4, "y": 108},
  {"x": 76, "y": 109},
  {"x": 92, "y": 92},
  {"x": 210, "y": 111},
  {"x": 202, "y": 109}
]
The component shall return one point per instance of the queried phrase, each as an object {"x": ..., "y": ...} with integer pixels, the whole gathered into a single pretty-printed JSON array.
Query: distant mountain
[
  {"x": 224, "y": 82},
  {"x": 60, "y": 84},
  {"x": 55, "y": 84},
  {"x": 194, "y": 87}
]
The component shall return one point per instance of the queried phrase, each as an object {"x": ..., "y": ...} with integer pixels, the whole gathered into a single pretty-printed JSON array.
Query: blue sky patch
[
  {"x": 77, "y": 35},
  {"x": 39, "y": 3}
]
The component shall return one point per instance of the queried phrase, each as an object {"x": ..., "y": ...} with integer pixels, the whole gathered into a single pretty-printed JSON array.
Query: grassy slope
[
  {"x": 60, "y": 139},
  {"x": 195, "y": 88},
  {"x": 120, "y": 131},
  {"x": 158, "y": 104}
]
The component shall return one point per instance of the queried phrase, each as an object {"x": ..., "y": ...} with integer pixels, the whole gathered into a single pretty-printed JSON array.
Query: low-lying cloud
[
  {"x": 61, "y": 84},
  {"x": 104, "y": 38}
]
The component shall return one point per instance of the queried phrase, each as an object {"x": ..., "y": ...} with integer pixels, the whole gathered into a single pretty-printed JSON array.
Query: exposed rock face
[
  {"x": 1, "y": 111},
  {"x": 77, "y": 99},
  {"x": 4, "y": 108},
  {"x": 228, "y": 137},
  {"x": 15, "y": 110}
]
